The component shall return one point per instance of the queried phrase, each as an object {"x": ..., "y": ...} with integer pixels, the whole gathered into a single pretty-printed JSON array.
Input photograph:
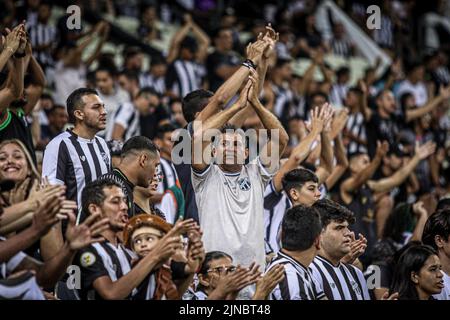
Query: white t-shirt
[
  {"x": 67, "y": 79},
  {"x": 112, "y": 103},
  {"x": 231, "y": 210},
  {"x": 418, "y": 90}
]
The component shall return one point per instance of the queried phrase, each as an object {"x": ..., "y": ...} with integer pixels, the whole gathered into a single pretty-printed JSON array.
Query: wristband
[
  {"x": 249, "y": 64},
  {"x": 19, "y": 55}
]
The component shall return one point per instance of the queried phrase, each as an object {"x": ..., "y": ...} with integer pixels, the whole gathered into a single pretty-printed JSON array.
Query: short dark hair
[
  {"x": 438, "y": 224},
  {"x": 75, "y": 101},
  {"x": 444, "y": 203},
  {"x": 93, "y": 193},
  {"x": 330, "y": 210},
  {"x": 194, "y": 102},
  {"x": 168, "y": 127},
  {"x": 281, "y": 61},
  {"x": 318, "y": 93},
  {"x": 210, "y": 256},
  {"x": 147, "y": 91},
  {"x": 138, "y": 143},
  {"x": 130, "y": 75},
  {"x": 56, "y": 107},
  {"x": 300, "y": 228},
  {"x": 296, "y": 178},
  {"x": 105, "y": 69}
]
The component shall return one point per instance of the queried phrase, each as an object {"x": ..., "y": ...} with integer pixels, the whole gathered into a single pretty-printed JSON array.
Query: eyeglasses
[{"x": 222, "y": 269}]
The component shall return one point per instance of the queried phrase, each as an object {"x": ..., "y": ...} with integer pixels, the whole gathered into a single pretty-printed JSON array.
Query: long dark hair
[{"x": 412, "y": 260}]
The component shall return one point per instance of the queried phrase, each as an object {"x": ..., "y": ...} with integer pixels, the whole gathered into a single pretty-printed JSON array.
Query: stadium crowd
[{"x": 237, "y": 161}]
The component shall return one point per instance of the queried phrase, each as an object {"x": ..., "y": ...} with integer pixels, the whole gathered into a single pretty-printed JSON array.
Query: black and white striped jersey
[
  {"x": 43, "y": 34},
  {"x": 357, "y": 127},
  {"x": 298, "y": 283},
  {"x": 148, "y": 80},
  {"x": 127, "y": 116},
  {"x": 75, "y": 161},
  {"x": 275, "y": 205},
  {"x": 184, "y": 77},
  {"x": 343, "y": 282},
  {"x": 23, "y": 287},
  {"x": 102, "y": 259}
]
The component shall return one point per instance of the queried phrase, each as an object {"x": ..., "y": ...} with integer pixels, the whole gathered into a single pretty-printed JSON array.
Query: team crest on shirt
[
  {"x": 244, "y": 184},
  {"x": 356, "y": 288},
  {"x": 105, "y": 158},
  {"x": 87, "y": 259},
  {"x": 83, "y": 158}
]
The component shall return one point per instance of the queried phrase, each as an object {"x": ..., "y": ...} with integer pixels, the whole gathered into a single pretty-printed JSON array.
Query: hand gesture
[
  {"x": 382, "y": 149},
  {"x": 45, "y": 215},
  {"x": 12, "y": 40},
  {"x": 419, "y": 209},
  {"x": 340, "y": 119},
  {"x": 318, "y": 120},
  {"x": 196, "y": 252},
  {"x": 271, "y": 37},
  {"x": 393, "y": 296},
  {"x": 244, "y": 96},
  {"x": 88, "y": 232},
  {"x": 256, "y": 50},
  {"x": 362, "y": 86},
  {"x": 357, "y": 248},
  {"x": 268, "y": 282},
  {"x": 425, "y": 150},
  {"x": 328, "y": 116},
  {"x": 19, "y": 193},
  {"x": 233, "y": 282}
]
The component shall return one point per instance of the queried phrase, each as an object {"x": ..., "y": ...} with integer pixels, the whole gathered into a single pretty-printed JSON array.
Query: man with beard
[
  {"x": 78, "y": 156},
  {"x": 19, "y": 97},
  {"x": 106, "y": 270}
]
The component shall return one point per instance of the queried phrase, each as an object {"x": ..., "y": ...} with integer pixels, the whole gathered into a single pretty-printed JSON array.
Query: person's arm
[
  {"x": 339, "y": 122},
  {"x": 302, "y": 150},
  {"x": 203, "y": 42},
  {"x": 422, "y": 215},
  {"x": 35, "y": 89},
  {"x": 228, "y": 89},
  {"x": 412, "y": 114},
  {"x": 326, "y": 152},
  {"x": 341, "y": 163},
  {"x": 421, "y": 152},
  {"x": 178, "y": 38},
  {"x": 365, "y": 110},
  {"x": 356, "y": 182},
  {"x": 122, "y": 288},
  {"x": 118, "y": 132},
  {"x": 272, "y": 124},
  {"x": 103, "y": 36},
  {"x": 202, "y": 138},
  {"x": 271, "y": 37},
  {"x": 307, "y": 77},
  {"x": 10, "y": 46}
]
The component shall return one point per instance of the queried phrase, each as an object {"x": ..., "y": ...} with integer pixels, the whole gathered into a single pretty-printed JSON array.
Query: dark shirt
[
  {"x": 149, "y": 123},
  {"x": 381, "y": 129},
  {"x": 184, "y": 176},
  {"x": 216, "y": 60},
  {"x": 15, "y": 126}
]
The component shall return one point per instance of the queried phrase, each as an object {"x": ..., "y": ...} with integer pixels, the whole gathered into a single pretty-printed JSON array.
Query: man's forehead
[
  {"x": 113, "y": 192},
  {"x": 92, "y": 99},
  {"x": 224, "y": 261}
]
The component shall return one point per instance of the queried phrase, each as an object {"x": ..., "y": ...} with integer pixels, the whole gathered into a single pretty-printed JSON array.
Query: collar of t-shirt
[
  {"x": 80, "y": 138},
  {"x": 120, "y": 174}
]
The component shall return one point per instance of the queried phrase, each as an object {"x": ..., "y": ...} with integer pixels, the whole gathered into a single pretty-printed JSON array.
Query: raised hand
[
  {"x": 328, "y": 112},
  {"x": 419, "y": 209},
  {"x": 45, "y": 215},
  {"x": 196, "y": 252},
  {"x": 88, "y": 232},
  {"x": 382, "y": 149},
  {"x": 12, "y": 40},
  {"x": 340, "y": 119},
  {"x": 182, "y": 227},
  {"x": 256, "y": 50},
  {"x": 357, "y": 248},
  {"x": 393, "y": 296},
  {"x": 425, "y": 150},
  {"x": 266, "y": 284},
  {"x": 19, "y": 193}
]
